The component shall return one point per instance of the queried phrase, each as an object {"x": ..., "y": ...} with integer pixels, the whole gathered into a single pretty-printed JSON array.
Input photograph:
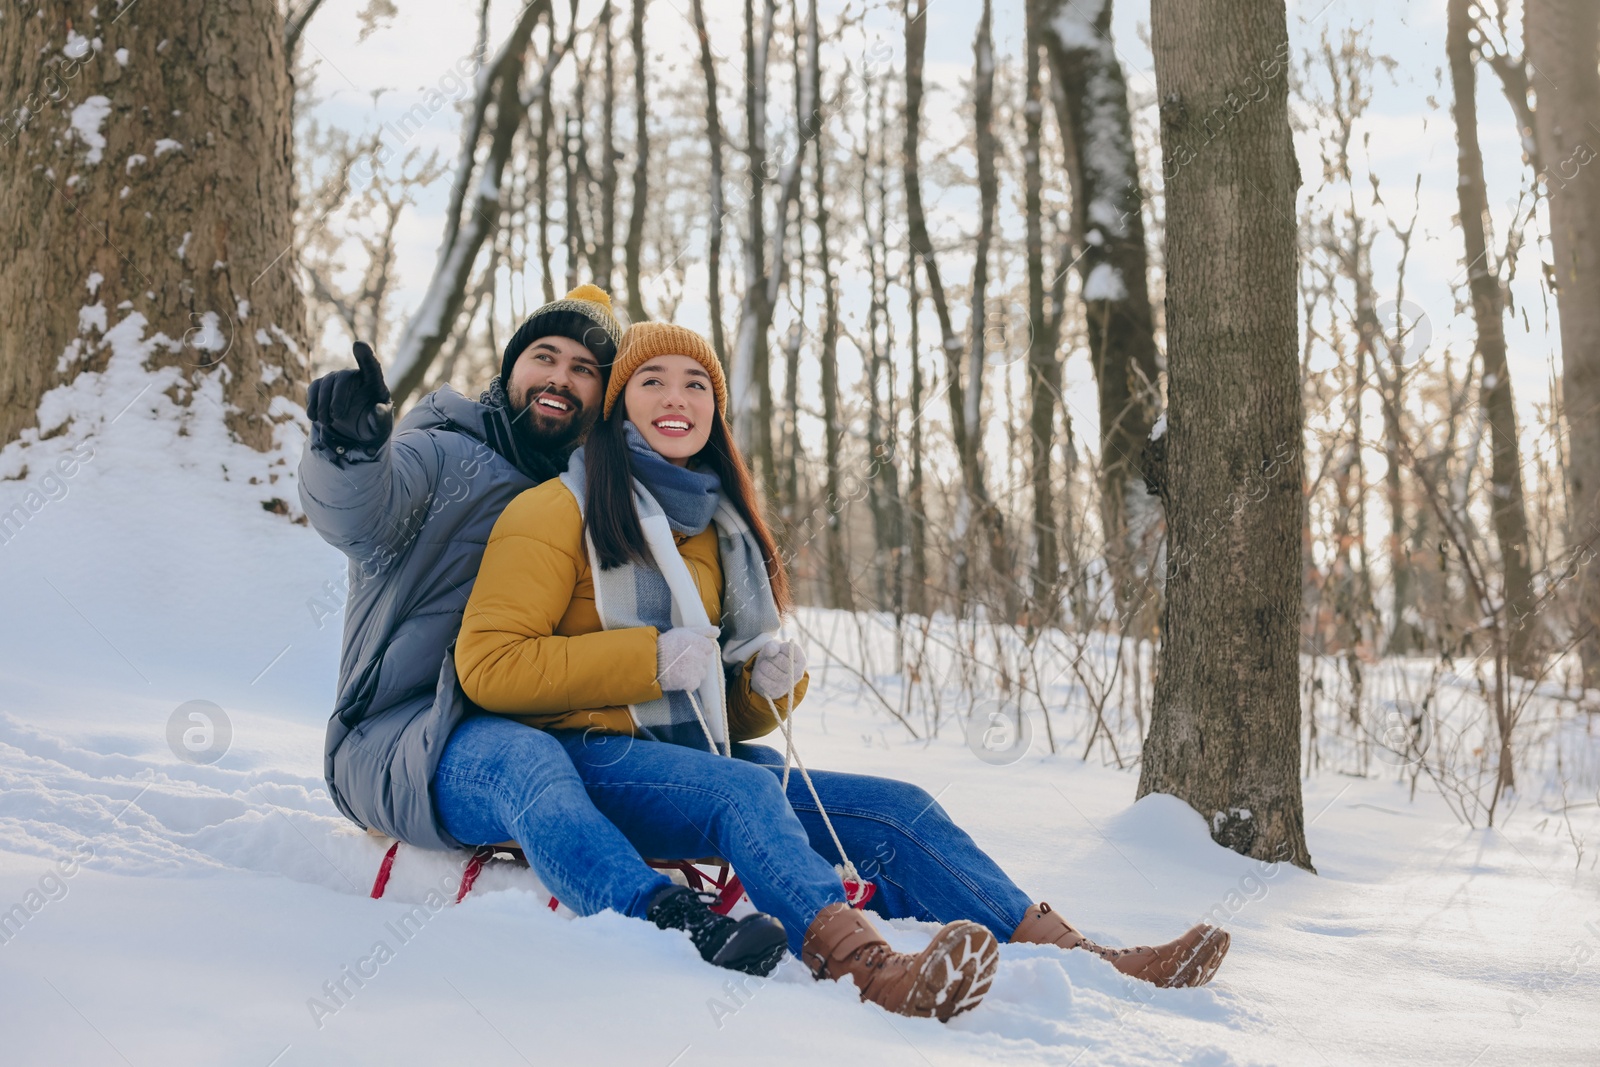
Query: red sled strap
[{"x": 381, "y": 883}]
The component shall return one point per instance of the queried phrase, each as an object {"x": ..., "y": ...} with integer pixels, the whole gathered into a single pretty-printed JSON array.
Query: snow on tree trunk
[
  {"x": 1561, "y": 36},
  {"x": 145, "y": 203},
  {"x": 1225, "y": 725},
  {"x": 1093, "y": 99},
  {"x": 428, "y": 329}
]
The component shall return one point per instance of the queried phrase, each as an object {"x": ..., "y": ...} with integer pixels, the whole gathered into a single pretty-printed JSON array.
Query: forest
[{"x": 1173, "y": 402}]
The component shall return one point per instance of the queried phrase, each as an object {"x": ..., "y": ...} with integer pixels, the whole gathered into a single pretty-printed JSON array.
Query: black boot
[{"x": 753, "y": 944}]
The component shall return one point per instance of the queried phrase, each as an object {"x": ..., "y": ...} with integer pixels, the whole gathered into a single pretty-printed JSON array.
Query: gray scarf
[{"x": 663, "y": 594}]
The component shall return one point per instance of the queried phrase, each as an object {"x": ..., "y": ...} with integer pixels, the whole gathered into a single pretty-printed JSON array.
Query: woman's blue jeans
[
  {"x": 585, "y": 807},
  {"x": 901, "y": 839}
]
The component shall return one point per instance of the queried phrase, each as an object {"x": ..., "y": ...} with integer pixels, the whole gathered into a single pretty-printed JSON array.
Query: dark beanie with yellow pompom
[{"x": 584, "y": 315}]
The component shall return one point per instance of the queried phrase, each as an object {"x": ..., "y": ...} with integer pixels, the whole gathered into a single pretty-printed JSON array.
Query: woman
[{"x": 630, "y": 609}]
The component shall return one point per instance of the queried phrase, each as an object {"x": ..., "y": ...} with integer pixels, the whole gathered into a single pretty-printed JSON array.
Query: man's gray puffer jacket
[{"x": 413, "y": 514}]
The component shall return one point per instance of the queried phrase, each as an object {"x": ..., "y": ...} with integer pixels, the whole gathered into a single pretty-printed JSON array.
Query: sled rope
[
  {"x": 700, "y": 717},
  {"x": 848, "y": 871}
]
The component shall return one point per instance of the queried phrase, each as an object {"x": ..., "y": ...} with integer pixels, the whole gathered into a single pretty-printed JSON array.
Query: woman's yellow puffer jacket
[{"x": 531, "y": 644}]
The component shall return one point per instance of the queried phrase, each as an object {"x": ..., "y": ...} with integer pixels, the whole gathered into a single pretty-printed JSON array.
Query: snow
[
  {"x": 136, "y": 160},
  {"x": 1107, "y": 150},
  {"x": 188, "y": 912},
  {"x": 87, "y": 118},
  {"x": 488, "y": 189},
  {"x": 1159, "y": 430},
  {"x": 167, "y": 144},
  {"x": 1105, "y": 283},
  {"x": 92, "y": 317},
  {"x": 77, "y": 45},
  {"x": 1075, "y": 22},
  {"x": 208, "y": 334},
  {"x": 121, "y": 55}
]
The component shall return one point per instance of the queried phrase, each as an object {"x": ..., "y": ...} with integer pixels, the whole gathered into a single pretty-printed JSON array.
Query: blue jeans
[
  {"x": 677, "y": 803},
  {"x": 900, "y": 839},
  {"x": 499, "y": 780}
]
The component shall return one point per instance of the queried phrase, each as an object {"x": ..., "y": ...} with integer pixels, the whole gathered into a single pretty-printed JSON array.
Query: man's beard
[{"x": 535, "y": 434}]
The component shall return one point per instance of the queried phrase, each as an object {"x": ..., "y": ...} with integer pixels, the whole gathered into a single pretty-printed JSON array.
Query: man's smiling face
[{"x": 555, "y": 392}]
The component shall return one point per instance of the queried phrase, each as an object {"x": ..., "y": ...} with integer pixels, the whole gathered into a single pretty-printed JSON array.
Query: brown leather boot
[
  {"x": 1189, "y": 961},
  {"x": 948, "y": 977}
]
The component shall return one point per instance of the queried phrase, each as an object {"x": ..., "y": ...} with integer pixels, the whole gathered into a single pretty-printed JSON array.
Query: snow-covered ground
[{"x": 158, "y": 910}]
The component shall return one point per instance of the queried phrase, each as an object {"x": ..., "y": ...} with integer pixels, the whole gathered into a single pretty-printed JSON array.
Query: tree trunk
[
  {"x": 708, "y": 70},
  {"x": 917, "y": 602},
  {"x": 755, "y": 316},
  {"x": 1561, "y": 36},
  {"x": 991, "y": 522},
  {"x": 838, "y": 583},
  {"x": 1044, "y": 363},
  {"x": 295, "y": 18},
  {"x": 547, "y": 120},
  {"x": 573, "y": 237},
  {"x": 1225, "y": 726},
  {"x": 151, "y": 199},
  {"x": 888, "y": 525},
  {"x": 988, "y": 193},
  {"x": 1488, "y": 311},
  {"x": 789, "y": 480},
  {"x": 922, "y": 244},
  {"x": 1405, "y": 636},
  {"x": 606, "y": 252},
  {"x": 641, "y": 170},
  {"x": 1110, "y": 235},
  {"x": 750, "y": 388}
]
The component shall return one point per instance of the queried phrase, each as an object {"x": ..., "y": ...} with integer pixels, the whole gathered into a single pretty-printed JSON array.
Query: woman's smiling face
[{"x": 671, "y": 401}]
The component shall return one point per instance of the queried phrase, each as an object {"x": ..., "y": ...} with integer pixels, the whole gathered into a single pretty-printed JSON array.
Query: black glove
[{"x": 352, "y": 406}]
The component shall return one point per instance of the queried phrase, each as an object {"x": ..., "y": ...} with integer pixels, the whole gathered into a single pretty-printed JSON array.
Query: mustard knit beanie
[
  {"x": 584, "y": 315},
  {"x": 644, "y": 341}
]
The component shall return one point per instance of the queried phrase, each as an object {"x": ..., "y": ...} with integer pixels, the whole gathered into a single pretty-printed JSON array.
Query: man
[{"x": 412, "y": 510}]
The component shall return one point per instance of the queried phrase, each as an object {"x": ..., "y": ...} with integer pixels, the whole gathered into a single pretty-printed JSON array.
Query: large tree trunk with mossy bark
[
  {"x": 146, "y": 195},
  {"x": 1225, "y": 726}
]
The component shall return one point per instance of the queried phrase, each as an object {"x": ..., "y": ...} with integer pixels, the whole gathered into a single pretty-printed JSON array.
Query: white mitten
[
  {"x": 779, "y": 667},
  {"x": 685, "y": 655}
]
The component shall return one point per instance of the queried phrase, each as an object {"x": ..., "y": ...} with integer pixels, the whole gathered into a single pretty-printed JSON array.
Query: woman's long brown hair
[{"x": 613, "y": 520}]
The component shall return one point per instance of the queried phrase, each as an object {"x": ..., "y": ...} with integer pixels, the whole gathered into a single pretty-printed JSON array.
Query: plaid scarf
[{"x": 663, "y": 594}]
